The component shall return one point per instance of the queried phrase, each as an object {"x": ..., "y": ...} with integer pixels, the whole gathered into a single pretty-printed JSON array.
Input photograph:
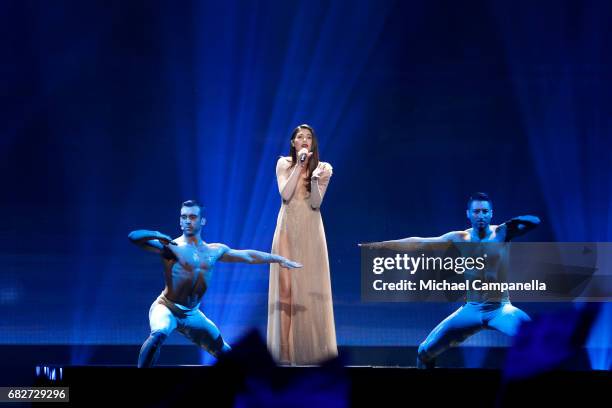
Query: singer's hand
[
  {"x": 304, "y": 153},
  {"x": 321, "y": 171}
]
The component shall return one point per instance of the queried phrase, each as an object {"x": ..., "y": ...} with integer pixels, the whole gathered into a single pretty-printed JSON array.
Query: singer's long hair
[{"x": 313, "y": 162}]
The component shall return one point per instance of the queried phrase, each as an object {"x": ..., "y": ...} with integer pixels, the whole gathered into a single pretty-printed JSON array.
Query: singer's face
[{"x": 303, "y": 139}]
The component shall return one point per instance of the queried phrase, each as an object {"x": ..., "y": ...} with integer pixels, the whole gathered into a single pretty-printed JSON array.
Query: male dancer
[
  {"x": 188, "y": 265},
  {"x": 482, "y": 310}
]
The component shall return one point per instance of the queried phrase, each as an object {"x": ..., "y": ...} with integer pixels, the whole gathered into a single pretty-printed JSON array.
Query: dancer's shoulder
[
  {"x": 217, "y": 246},
  {"x": 459, "y": 236}
]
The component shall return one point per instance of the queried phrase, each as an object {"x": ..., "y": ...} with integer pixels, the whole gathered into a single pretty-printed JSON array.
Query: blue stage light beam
[{"x": 562, "y": 83}]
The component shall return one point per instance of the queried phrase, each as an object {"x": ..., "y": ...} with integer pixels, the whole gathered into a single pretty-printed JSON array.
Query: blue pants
[
  {"x": 468, "y": 320},
  {"x": 166, "y": 316}
]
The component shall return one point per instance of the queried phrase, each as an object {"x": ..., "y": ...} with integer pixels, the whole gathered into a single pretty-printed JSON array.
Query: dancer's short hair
[
  {"x": 194, "y": 203},
  {"x": 479, "y": 196}
]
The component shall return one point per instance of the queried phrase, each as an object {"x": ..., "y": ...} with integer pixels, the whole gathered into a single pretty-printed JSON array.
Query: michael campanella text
[{"x": 432, "y": 284}]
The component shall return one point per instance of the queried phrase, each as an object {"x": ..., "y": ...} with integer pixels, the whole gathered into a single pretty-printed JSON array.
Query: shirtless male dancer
[
  {"x": 483, "y": 309},
  {"x": 188, "y": 266}
]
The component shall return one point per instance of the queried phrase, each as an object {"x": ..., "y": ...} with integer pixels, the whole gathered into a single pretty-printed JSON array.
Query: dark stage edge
[
  {"x": 19, "y": 360},
  {"x": 222, "y": 386}
]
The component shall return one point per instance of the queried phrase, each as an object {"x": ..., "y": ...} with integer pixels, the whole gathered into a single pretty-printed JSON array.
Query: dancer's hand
[
  {"x": 286, "y": 263},
  {"x": 371, "y": 245}
]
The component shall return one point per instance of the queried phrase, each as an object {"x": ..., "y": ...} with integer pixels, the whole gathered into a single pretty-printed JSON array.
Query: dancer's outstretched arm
[
  {"x": 152, "y": 241},
  {"x": 413, "y": 243},
  {"x": 518, "y": 226},
  {"x": 252, "y": 256}
]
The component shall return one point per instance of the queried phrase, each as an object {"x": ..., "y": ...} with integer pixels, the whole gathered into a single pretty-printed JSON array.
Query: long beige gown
[{"x": 300, "y": 236}]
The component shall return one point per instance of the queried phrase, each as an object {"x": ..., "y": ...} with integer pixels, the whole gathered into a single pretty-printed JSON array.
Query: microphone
[{"x": 302, "y": 157}]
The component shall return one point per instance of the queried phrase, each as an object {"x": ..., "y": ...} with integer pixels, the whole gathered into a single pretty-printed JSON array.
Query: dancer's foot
[{"x": 425, "y": 365}]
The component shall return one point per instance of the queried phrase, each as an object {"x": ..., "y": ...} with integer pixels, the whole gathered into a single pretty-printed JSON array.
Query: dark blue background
[{"x": 113, "y": 113}]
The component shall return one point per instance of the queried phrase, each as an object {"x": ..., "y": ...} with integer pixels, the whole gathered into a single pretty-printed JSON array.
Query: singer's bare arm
[
  {"x": 287, "y": 184},
  {"x": 318, "y": 184}
]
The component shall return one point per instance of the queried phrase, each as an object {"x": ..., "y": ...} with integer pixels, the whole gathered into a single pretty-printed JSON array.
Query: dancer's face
[
  {"x": 302, "y": 139},
  {"x": 480, "y": 214},
  {"x": 191, "y": 220}
]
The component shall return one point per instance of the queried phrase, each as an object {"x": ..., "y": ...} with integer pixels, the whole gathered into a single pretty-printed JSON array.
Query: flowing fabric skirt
[{"x": 300, "y": 236}]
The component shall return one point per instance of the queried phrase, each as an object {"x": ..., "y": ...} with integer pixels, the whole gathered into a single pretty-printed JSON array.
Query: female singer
[{"x": 300, "y": 310}]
